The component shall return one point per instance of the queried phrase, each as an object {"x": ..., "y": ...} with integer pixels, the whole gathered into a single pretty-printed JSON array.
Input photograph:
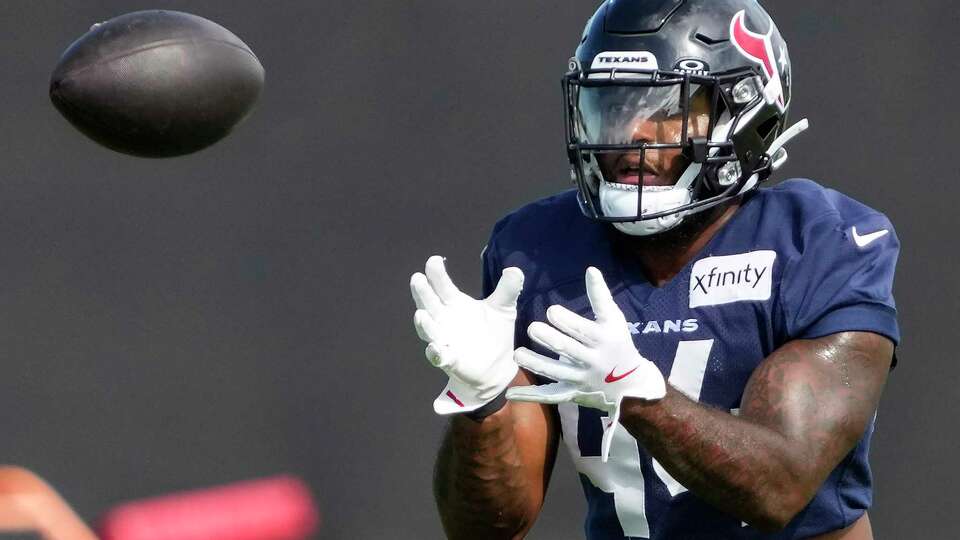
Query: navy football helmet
[{"x": 675, "y": 106}]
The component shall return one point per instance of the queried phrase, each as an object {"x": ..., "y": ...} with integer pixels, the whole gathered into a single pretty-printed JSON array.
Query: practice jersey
[{"x": 795, "y": 261}]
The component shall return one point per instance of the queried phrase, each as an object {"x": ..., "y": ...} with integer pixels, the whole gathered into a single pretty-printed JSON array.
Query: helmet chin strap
[{"x": 620, "y": 200}]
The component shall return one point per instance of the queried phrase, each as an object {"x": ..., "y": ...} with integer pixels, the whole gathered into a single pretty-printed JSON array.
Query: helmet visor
[{"x": 619, "y": 115}]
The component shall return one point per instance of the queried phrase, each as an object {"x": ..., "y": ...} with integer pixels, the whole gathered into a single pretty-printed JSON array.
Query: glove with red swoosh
[
  {"x": 598, "y": 365},
  {"x": 470, "y": 340}
]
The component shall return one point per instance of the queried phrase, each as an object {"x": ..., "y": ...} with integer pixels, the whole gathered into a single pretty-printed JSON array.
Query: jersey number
[{"x": 622, "y": 475}]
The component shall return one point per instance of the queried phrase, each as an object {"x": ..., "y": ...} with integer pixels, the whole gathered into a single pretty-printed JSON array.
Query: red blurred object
[{"x": 277, "y": 508}]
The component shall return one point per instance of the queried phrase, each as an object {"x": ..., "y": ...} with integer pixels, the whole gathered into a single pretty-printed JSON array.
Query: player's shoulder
[
  {"x": 550, "y": 240},
  {"x": 542, "y": 212},
  {"x": 553, "y": 220},
  {"x": 837, "y": 258},
  {"x": 819, "y": 234},
  {"x": 806, "y": 202}
]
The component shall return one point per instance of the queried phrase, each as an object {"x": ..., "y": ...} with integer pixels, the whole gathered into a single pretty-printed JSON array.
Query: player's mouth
[{"x": 630, "y": 171}]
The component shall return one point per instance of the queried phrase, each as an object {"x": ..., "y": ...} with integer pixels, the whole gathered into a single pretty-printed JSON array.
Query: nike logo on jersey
[
  {"x": 611, "y": 378},
  {"x": 867, "y": 239}
]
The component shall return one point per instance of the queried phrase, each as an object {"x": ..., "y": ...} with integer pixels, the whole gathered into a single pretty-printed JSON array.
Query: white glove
[
  {"x": 470, "y": 340},
  {"x": 599, "y": 364}
]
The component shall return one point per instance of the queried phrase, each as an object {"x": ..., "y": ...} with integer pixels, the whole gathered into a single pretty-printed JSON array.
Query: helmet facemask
[{"x": 648, "y": 147}]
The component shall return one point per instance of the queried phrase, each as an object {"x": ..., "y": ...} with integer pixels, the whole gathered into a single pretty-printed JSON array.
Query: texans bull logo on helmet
[{"x": 759, "y": 49}]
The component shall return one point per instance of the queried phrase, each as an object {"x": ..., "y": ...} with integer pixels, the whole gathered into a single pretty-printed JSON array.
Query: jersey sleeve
[{"x": 842, "y": 279}]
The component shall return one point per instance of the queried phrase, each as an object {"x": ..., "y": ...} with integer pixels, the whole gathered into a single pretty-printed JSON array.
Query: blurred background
[{"x": 181, "y": 323}]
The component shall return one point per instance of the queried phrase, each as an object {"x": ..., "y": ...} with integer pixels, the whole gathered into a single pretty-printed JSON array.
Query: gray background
[{"x": 244, "y": 311}]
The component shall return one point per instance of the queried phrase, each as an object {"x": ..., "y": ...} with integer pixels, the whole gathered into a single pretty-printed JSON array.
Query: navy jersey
[{"x": 795, "y": 261}]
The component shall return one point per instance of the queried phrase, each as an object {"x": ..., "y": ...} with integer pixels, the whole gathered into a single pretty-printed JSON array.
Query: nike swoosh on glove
[
  {"x": 470, "y": 340},
  {"x": 598, "y": 365}
]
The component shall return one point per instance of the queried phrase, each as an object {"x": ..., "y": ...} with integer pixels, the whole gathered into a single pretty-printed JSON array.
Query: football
[{"x": 157, "y": 83}]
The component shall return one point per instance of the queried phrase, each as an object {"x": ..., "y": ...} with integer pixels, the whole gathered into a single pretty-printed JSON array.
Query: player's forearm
[
  {"x": 480, "y": 485},
  {"x": 804, "y": 408},
  {"x": 741, "y": 467}
]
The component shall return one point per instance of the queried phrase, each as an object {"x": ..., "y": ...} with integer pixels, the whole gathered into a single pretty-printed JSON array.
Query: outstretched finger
[
  {"x": 427, "y": 327},
  {"x": 423, "y": 294},
  {"x": 545, "y": 366},
  {"x": 558, "y": 342},
  {"x": 508, "y": 289},
  {"x": 600, "y": 298},
  {"x": 439, "y": 356},
  {"x": 579, "y": 328},
  {"x": 440, "y": 280}
]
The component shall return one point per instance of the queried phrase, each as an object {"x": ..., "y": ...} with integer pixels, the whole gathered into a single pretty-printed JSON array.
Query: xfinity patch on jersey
[
  {"x": 623, "y": 60},
  {"x": 732, "y": 278}
]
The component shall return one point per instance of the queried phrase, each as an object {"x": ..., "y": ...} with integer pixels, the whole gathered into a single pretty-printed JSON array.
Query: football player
[{"x": 710, "y": 353}]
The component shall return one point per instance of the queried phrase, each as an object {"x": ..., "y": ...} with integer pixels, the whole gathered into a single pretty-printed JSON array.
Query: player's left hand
[{"x": 599, "y": 364}]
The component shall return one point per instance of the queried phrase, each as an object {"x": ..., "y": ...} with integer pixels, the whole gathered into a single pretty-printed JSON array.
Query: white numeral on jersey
[
  {"x": 686, "y": 375},
  {"x": 622, "y": 475}
]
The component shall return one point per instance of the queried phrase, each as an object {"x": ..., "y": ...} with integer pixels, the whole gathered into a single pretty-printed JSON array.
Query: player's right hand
[{"x": 470, "y": 340}]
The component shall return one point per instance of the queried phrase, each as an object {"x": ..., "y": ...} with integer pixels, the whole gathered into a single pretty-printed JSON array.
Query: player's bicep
[
  {"x": 820, "y": 394},
  {"x": 537, "y": 435}
]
